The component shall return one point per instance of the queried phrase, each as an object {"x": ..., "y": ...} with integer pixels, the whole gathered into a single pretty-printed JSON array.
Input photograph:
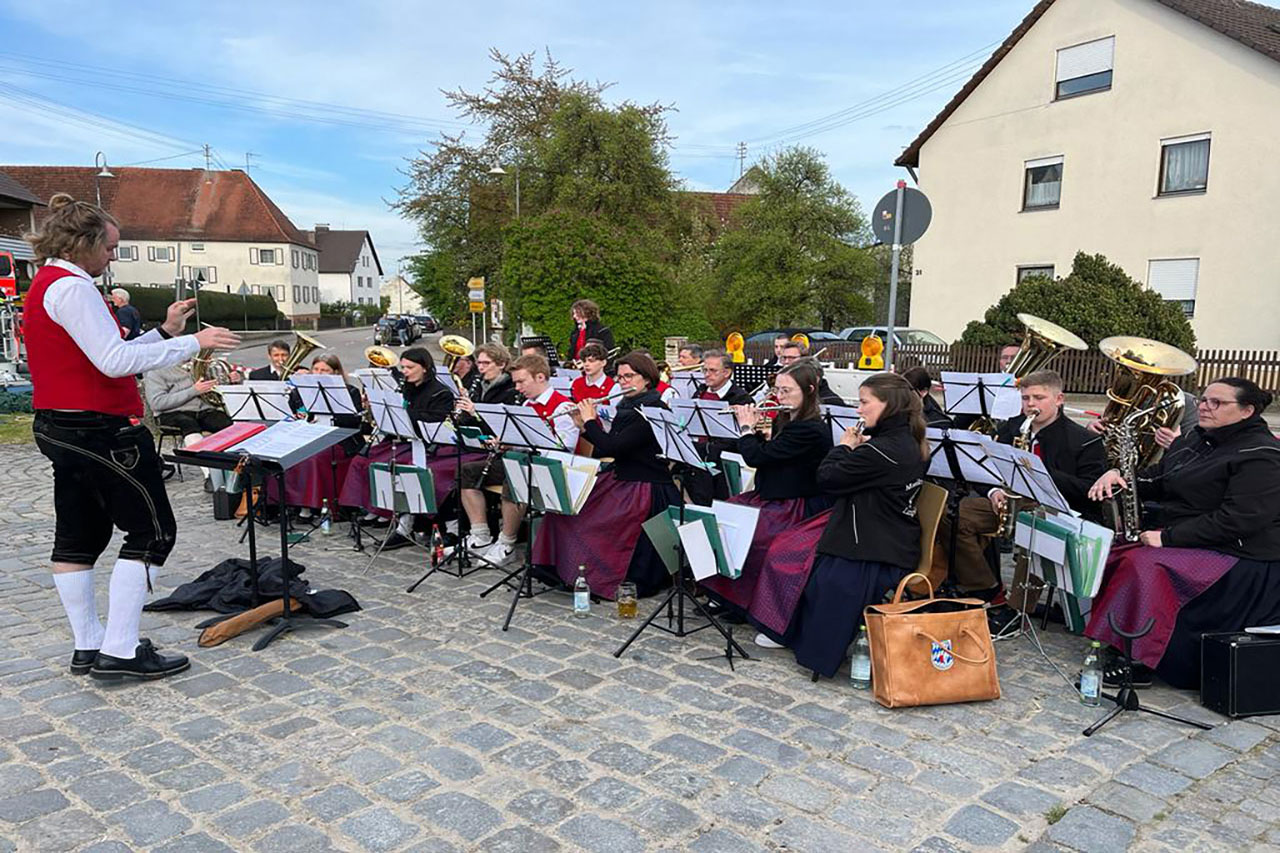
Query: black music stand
[
  {"x": 444, "y": 434},
  {"x": 675, "y": 446},
  {"x": 258, "y": 454},
  {"x": 839, "y": 418},
  {"x": 987, "y": 395},
  {"x": 961, "y": 456},
  {"x": 1126, "y": 698},
  {"x": 325, "y": 396},
  {"x": 523, "y": 427},
  {"x": 391, "y": 417},
  {"x": 259, "y": 401}
]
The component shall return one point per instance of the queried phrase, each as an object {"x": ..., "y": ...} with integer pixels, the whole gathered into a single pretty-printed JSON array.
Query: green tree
[
  {"x": 1097, "y": 300},
  {"x": 795, "y": 256}
]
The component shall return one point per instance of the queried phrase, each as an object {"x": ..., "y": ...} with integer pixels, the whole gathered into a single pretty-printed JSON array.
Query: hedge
[
  {"x": 215, "y": 306},
  {"x": 11, "y": 403}
]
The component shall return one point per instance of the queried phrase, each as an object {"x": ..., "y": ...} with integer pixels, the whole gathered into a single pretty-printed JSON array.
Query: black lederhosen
[{"x": 106, "y": 474}]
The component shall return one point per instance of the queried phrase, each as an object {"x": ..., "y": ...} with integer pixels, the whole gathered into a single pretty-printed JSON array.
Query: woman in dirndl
[
  {"x": 872, "y": 538},
  {"x": 606, "y": 536},
  {"x": 786, "y": 460}
]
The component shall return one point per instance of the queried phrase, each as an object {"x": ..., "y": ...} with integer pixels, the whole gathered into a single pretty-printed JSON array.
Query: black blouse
[
  {"x": 787, "y": 464},
  {"x": 630, "y": 441}
]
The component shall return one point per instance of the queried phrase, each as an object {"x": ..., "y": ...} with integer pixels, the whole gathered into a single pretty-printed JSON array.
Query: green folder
[
  {"x": 662, "y": 532},
  {"x": 732, "y": 474},
  {"x": 422, "y": 478}
]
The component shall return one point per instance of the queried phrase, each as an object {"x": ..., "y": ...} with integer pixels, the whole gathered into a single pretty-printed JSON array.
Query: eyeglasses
[
  {"x": 623, "y": 377},
  {"x": 1212, "y": 403}
]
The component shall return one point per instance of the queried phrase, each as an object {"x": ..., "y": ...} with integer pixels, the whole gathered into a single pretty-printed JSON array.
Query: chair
[
  {"x": 162, "y": 432},
  {"x": 931, "y": 503}
]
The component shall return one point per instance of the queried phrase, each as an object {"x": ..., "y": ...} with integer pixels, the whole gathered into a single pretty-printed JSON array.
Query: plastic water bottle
[
  {"x": 326, "y": 520},
  {"x": 581, "y": 595},
  {"x": 1091, "y": 675},
  {"x": 860, "y": 672}
]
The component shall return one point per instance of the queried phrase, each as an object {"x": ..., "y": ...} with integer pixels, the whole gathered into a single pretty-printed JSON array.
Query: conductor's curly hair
[{"x": 71, "y": 229}]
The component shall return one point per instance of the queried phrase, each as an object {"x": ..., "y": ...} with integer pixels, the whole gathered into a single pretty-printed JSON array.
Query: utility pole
[
  {"x": 207, "y": 156},
  {"x": 742, "y": 159},
  {"x": 247, "y": 165}
]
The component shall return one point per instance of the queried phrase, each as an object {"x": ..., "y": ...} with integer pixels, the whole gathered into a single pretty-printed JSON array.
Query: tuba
[
  {"x": 302, "y": 347},
  {"x": 1042, "y": 341},
  {"x": 1142, "y": 396},
  {"x": 207, "y": 366},
  {"x": 455, "y": 347},
  {"x": 380, "y": 357}
]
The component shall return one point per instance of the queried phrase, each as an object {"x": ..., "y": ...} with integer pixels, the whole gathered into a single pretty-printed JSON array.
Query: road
[{"x": 348, "y": 344}]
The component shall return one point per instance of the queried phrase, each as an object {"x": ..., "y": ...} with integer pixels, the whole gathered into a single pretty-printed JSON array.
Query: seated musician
[
  {"x": 428, "y": 400},
  {"x": 175, "y": 399},
  {"x": 718, "y": 384},
  {"x": 791, "y": 352},
  {"x": 1164, "y": 436},
  {"x": 586, "y": 327},
  {"x": 606, "y": 536},
  {"x": 1007, "y": 354},
  {"x": 464, "y": 369},
  {"x": 278, "y": 353},
  {"x": 1074, "y": 458},
  {"x": 780, "y": 341},
  {"x": 594, "y": 383},
  {"x": 689, "y": 355},
  {"x": 919, "y": 379},
  {"x": 872, "y": 537},
  {"x": 786, "y": 456},
  {"x": 529, "y": 373},
  {"x": 494, "y": 385},
  {"x": 311, "y": 482},
  {"x": 1211, "y": 561}
]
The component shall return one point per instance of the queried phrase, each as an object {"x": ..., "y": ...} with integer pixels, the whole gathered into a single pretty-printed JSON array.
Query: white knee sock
[
  {"x": 76, "y": 591},
  {"x": 405, "y": 525},
  {"x": 124, "y": 608},
  {"x": 188, "y": 440}
]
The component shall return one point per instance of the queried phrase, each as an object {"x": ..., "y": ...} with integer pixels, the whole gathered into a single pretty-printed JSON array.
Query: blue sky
[{"x": 751, "y": 72}]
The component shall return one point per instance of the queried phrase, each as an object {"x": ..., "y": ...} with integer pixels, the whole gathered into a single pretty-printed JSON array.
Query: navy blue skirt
[{"x": 830, "y": 611}]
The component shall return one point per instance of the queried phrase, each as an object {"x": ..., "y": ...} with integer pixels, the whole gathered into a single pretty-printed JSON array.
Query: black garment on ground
[
  {"x": 875, "y": 519},
  {"x": 1247, "y": 595},
  {"x": 1074, "y": 457},
  {"x": 228, "y": 588},
  {"x": 630, "y": 441},
  {"x": 1220, "y": 489},
  {"x": 787, "y": 464}
]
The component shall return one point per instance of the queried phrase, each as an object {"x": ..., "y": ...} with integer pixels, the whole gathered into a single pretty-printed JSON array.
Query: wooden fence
[{"x": 1087, "y": 372}]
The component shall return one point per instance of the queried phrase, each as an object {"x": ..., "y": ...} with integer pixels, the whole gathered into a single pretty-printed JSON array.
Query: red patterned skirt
[
  {"x": 314, "y": 480},
  {"x": 607, "y": 537},
  {"x": 355, "y": 489}
]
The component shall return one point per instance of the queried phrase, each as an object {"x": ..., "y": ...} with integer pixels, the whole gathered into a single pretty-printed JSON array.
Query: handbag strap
[
  {"x": 986, "y": 656},
  {"x": 902, "y": 585}
]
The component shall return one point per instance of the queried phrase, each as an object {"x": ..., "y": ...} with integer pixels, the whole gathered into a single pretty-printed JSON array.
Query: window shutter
[
  {"x": 151, "y": 253},
  {"x": 253, "y": 255},
  {"x": 212, "y": 272},
  {"x": 279, "y": 257},
  {"x": 1092, "y": 57},
  {"x": 1174, "y": 280},
  {"x": 186, "y": 273}
]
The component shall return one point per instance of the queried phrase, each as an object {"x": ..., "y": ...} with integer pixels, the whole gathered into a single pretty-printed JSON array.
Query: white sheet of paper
[
  {"x": 515, "y": 473},
  {"x": 446, "y": 379},
  {"x": 335, "y": 399},
  {"x": 376, "y": 377},
  {"x": 840, "y": 418},
  {"x": 281, "y": 439},
  {"x": 737, "y": 525},
  {"x": 748, "y": 473},
  {"x": 1045, "y": 545},
  {"x": 674, "y": 443},
  {"x": 244, "y": 400},
  {"x": 711, "y": 418},
  {"x": 437, "y": 433},
  {"x": 563, "y": 382},
  {"x": 411, "y": 487},
  {"x": 419, "y": 449},
  {"x": 685, "y": 382},
  {"x": 384, "y": 496},
  {"x": 961, "y": 397},
  {"x": 697, "y": 547},
  {"x": 389, "y": 413},
  {"x": 545, "y": 483},
  {"x": 971, "y": 455}
]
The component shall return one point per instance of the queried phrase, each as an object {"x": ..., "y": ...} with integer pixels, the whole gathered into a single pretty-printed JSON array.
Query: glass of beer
[{"x": 626, "y": 600}]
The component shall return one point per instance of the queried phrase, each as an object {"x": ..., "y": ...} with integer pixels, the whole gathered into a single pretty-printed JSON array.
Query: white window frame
[
  {"x": 1085, "y": 59},
  {"x": 1165, "y": 144},
  {"x": 197, "y": 247},
  {"x": 1023, "y": 271},
  {"x": 262, "y": 256},
  {"x": 1181, "y": 297},
  {"x": 1040, "y": 163},
  {"x": 295, "y": 257}
]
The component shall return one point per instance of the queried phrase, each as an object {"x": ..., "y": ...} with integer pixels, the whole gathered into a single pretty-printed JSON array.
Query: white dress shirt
[
  {"x": 566, "y": 430},
  {"x": 76, "y": 305}
]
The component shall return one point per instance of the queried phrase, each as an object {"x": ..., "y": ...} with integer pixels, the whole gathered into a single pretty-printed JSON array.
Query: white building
[
  {"x": 1137, "y": 129},
  {"x": 403, "y": 298},
  {"x": 349, "y": 267},
  {"x": 214, "y": 227}
]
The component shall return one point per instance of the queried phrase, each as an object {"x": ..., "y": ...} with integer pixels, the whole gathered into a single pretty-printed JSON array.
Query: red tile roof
[
  {"x": 723, "y": 204},
  {"x": 1252, "y": 24},
  {"x": 170, "y": 204}
]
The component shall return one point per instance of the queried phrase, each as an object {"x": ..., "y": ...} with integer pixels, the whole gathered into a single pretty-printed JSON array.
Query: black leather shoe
[
  {"x": 396, "y": 541},
  {"x": 82, "y": 661},
  {"x": 147, "y": 664}
]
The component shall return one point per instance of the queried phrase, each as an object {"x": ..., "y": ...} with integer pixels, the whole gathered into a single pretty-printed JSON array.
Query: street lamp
[
  {"x": 498, "y": 170},
  {"x": 100, "y": 163}
]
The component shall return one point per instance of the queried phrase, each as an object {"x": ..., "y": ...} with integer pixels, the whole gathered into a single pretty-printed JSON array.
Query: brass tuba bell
[
  {"x": 1041, "y": 343},
  {"x": 455, "y": 347},
  {"x": 1141, "y": 394},
  {"x": 380, "y": 357},
  {"x": 302, "y": 347}
]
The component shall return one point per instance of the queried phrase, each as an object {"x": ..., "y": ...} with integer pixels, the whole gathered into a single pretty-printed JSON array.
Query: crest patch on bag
[{"x": 941, "y": 656}]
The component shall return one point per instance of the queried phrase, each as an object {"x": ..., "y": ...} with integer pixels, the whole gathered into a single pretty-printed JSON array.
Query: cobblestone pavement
[{"x": 424, "y": 727}]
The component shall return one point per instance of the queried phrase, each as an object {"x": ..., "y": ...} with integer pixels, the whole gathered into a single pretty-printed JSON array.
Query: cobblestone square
[{"x": 422, "y": 726}]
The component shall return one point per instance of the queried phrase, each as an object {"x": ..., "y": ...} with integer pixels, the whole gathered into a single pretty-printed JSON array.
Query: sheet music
[
  {"x": 518, "y": 426},
  {"x": 446, "y": 379},
  {"x": 698, "y": 550},
  {"x": 971, "y": 454},
  {"x": 324, "y": 394},
  {"x": 840, "y": 418},
  {"x": 673, "y": 441},
  {"x": 545, "y": 483},
  {"x": 960, "y": 394},
  {"x": 707, "y": 418},
  {"x": 1024, "y": 474},
  {"x": 376, "y": 377},
  {"x": 281, "y": 439},
  {"x": 259, "y": 400},
  {"x": 384, "y": 492},
  {"x": 389, "y": 413},
  {"x": 737, "y": 526},
  {"x": 685, "y": 383},
  {"x": 516, "y": 479},
  {"x": 409, "y": 482},
  {"x": 562, "y": 383},
  {"x": 440, "y": 432}
]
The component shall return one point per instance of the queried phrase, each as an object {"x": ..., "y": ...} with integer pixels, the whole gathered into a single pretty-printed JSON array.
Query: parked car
[
  {"x": 426, "y": 323},
  {"x": 901, "y": 337},
  {"x": 814, "y": 335},
  {"x": 390, "y": 330}
]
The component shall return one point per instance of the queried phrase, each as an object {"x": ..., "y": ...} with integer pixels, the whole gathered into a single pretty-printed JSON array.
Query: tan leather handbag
[{"x": 931, "y": 651}]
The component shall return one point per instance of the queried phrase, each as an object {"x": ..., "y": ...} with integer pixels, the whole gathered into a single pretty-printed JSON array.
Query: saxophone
[
  {"x": 1008, "y": 517},
  {"x": 1126, "y": 512}
]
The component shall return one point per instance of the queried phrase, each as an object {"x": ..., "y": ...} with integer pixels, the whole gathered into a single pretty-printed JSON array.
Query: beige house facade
[{"x": 1138, "y": 129}]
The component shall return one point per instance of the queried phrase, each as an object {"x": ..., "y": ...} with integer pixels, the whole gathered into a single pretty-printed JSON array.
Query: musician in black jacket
[
  {"x": 786, "y": 460},
  {"x": 278, "y": 352},
  {"x": 919, "y": 379},
  {"x": 606, "y": 536},
  {"x": 587, "y": 327},
  {"x": 428, "y": 400},
  {"x": 1073, "y": 456},
  {"x": 717, "y": 384},
  {"x": 873, "y": 536},
  {"x": 1211, "y": 556}
]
